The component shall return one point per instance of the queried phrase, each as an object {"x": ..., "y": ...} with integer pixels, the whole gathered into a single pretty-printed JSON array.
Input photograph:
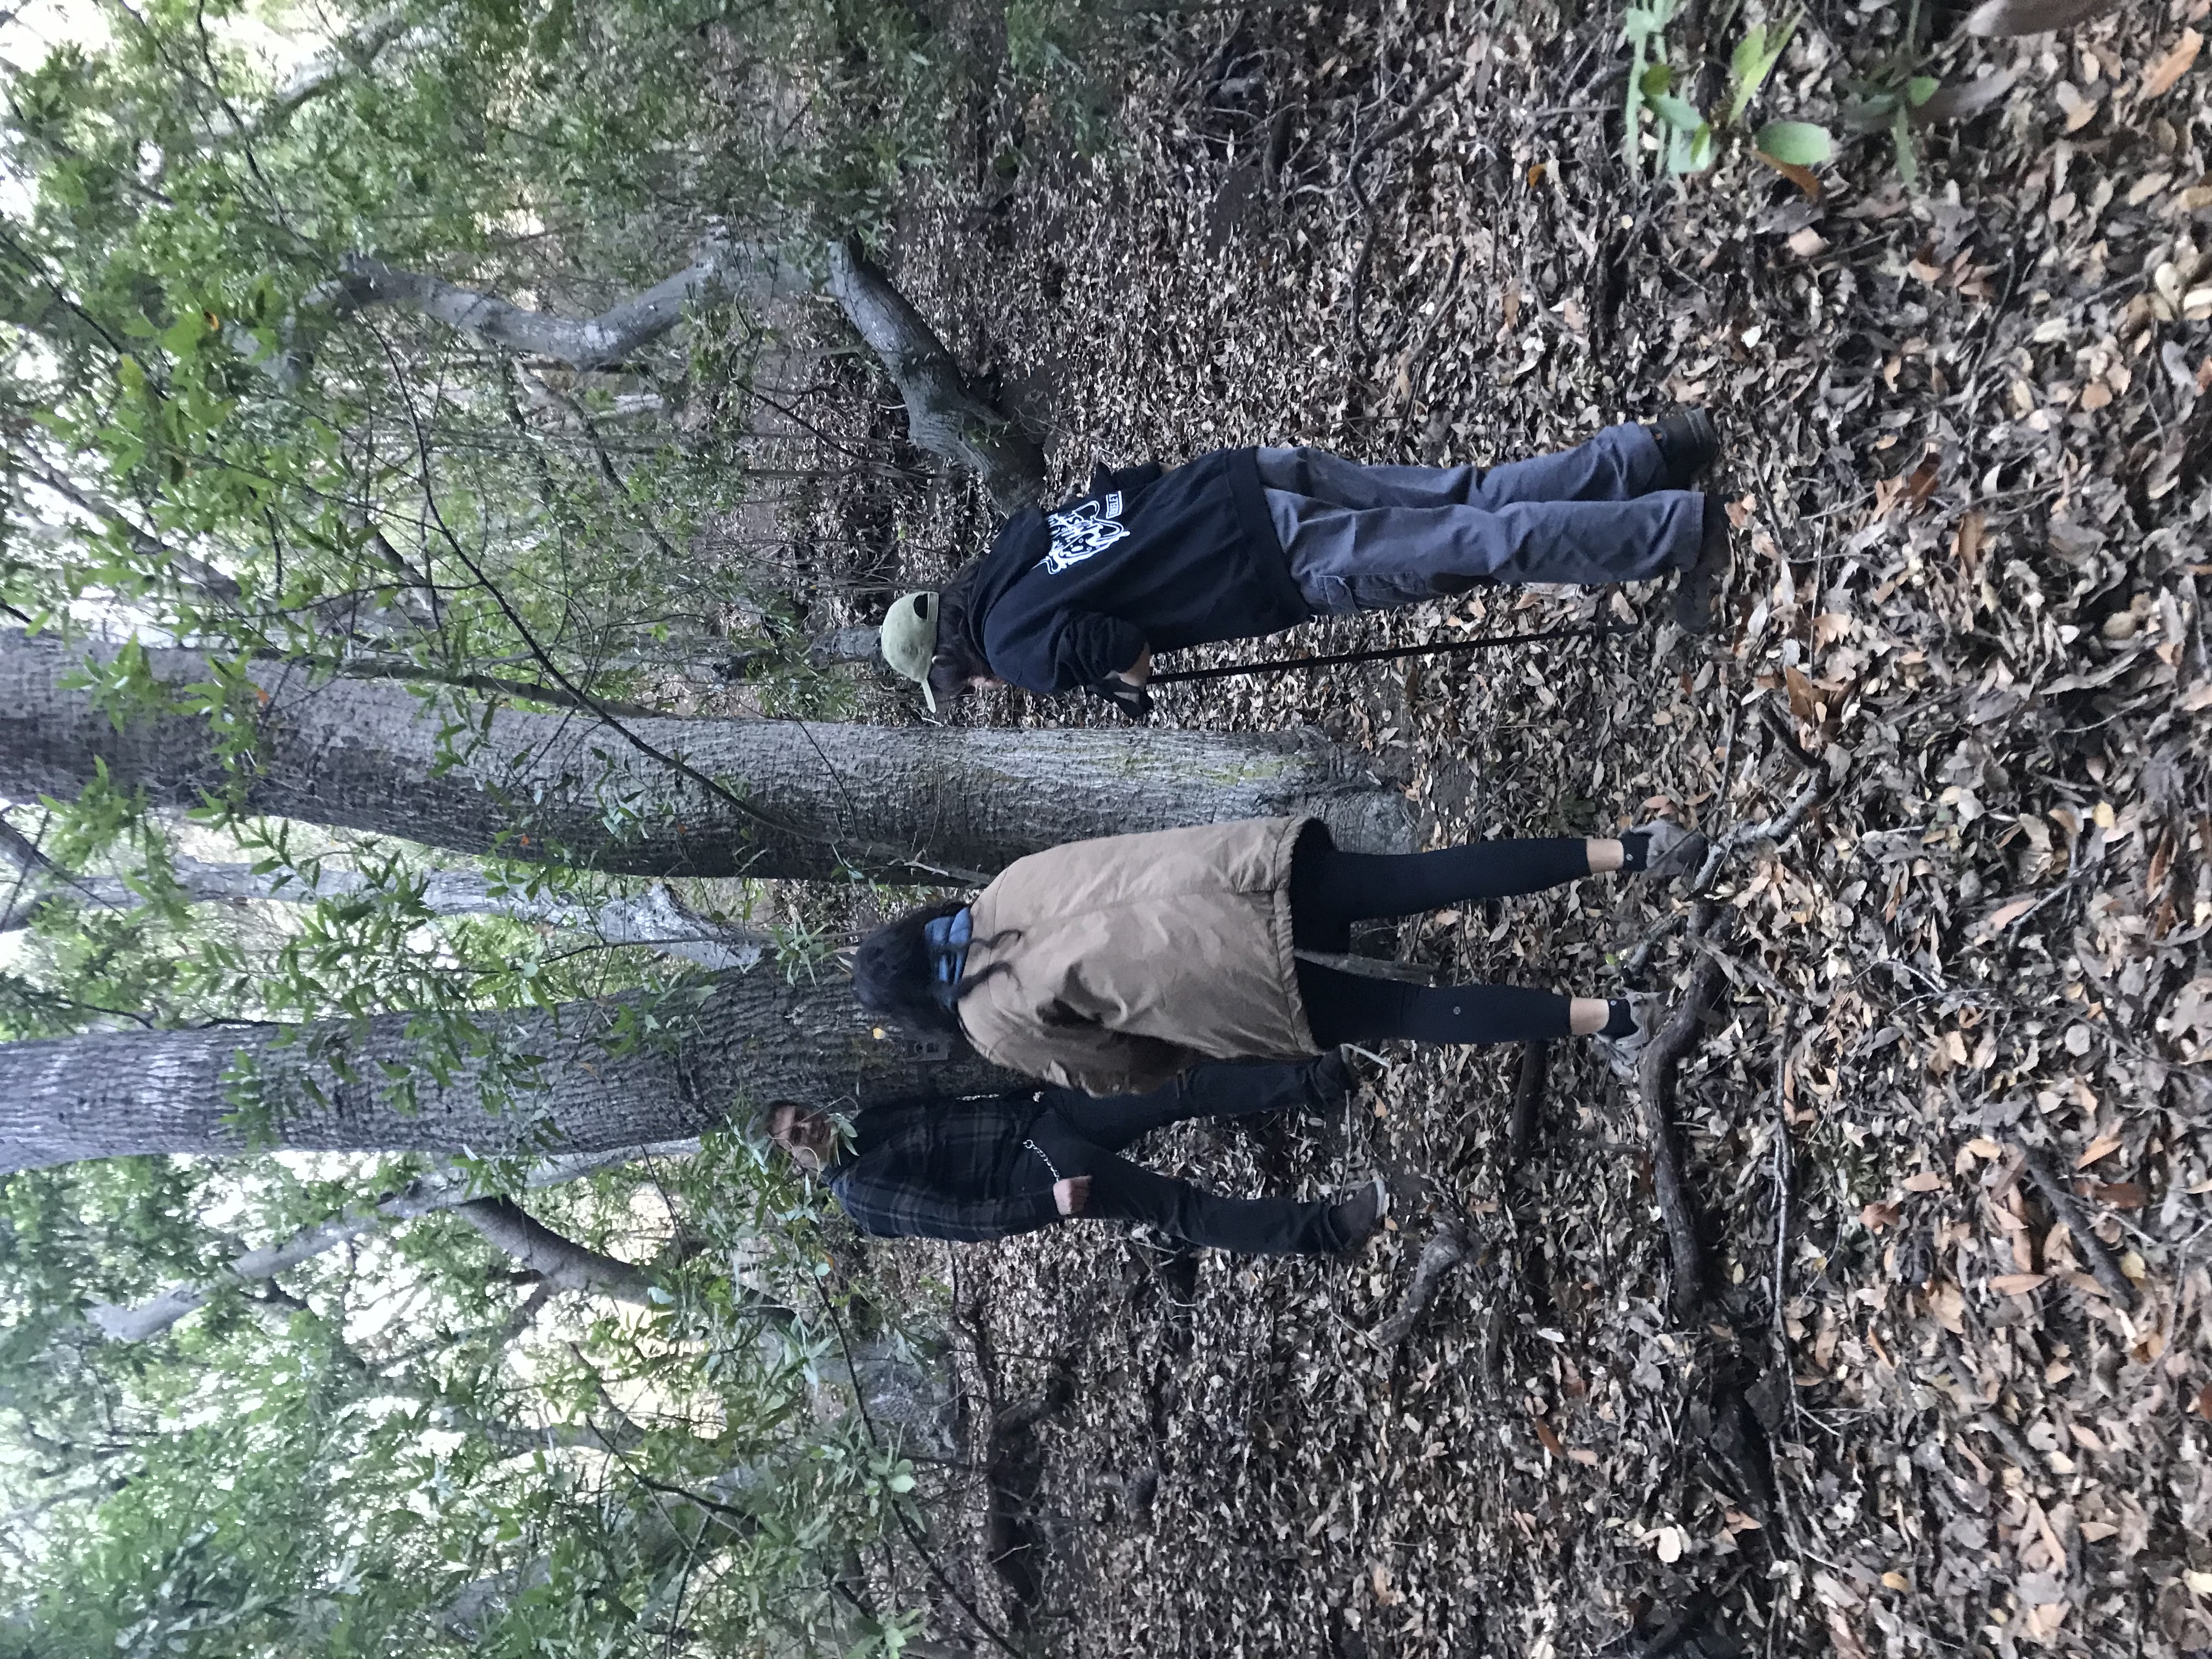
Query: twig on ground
[
  {"x": 1406, "y": 973},
  {"x": 2068, "y": 1208},
  {"x": 1445, "y": 1250},
  {"x": 1778, "y": 723},
  {"x": 1774, "y": 829},
  {"x": 1389, "y": 134}
]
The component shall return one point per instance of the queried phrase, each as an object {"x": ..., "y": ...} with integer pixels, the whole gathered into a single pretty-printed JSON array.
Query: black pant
[
  {"x": 1078, "y": 1134},
  {"x": 1331, "y": 890}
]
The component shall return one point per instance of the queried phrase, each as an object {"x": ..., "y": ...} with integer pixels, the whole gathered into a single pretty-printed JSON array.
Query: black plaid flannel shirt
[{"x": 940, "y": 1168}]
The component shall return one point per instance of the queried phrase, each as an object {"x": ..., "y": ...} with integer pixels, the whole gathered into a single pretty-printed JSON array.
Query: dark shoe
[
  {"x": 1355, "y": 1219},
  {"x": 1649, "y": 1009},
  {"x": 1693, "y": 600},
  {"x": 1330, "y": 1081},
  {"x": 1669, "y": 850},
  {"x": 1688, "y": 443}
]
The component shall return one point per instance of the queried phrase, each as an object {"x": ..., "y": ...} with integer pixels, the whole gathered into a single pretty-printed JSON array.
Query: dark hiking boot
[
  {"x": 1356, "y": 1218},
  {"x": 1688, "y": 443},
  {"x": 1693, "y": 600},
  {"x": 1669, "y": 850}
]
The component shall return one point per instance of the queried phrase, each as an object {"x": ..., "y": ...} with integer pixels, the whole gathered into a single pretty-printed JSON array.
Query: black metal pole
[{"x": 1450, "y": 647}]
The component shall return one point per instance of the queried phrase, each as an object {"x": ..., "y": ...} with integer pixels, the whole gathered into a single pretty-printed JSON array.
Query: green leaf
[
  {"x": 1678, "y": 113},
  {"x": 1908, "y": 157},
  {"x": 1753, "y": 60},
  {"x": 1691, "y": 151},
  {"x": 1800, "y": 143},
  {"x": 1920, "y": 89}
]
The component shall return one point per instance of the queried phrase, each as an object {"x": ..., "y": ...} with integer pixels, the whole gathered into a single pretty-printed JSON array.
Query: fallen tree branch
[
  {"x": 1779, "y": 828},
  {"x": 1655, "y": 1088},
  {"x": 1346, "y": 962},
  {"x": 1389, "y": 134},
  {"x": 2068, "y": 1208},
  {"x": 944, "y": 414},
  {"x": 614, "y": 336},
  {"x": 1445, "y": 1250}
]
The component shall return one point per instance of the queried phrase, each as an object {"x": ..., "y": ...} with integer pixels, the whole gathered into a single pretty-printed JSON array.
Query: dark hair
[
  {"x": 956, "y": 661},
  {"x": 760, "y": 1127},
  {"x": 894, "y": 978}
]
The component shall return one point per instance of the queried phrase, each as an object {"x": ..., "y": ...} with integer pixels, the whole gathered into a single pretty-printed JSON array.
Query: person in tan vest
[{"x": 1113, "y": 965}]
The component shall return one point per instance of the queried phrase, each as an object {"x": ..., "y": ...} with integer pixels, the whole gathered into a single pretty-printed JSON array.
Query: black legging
[{"x": 1331, "y": 890}]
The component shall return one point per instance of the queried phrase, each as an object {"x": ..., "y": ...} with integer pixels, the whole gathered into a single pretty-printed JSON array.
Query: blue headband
[{"x": 947, "y": 939}]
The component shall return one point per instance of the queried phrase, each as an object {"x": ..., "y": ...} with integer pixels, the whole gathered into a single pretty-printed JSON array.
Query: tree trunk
[
  {"x": 614, "y": 336},
  {"x": 803, "y": 800},
  {"x": 845, "y": 645},
  {"x": 945, "y": 415},
  {"x": 590, "y": 1077},
  {"x": 655, "y": 917}
]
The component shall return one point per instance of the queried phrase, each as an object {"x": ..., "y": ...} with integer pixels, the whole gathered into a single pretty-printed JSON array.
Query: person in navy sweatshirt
[{"x": 1245, "y": 541}]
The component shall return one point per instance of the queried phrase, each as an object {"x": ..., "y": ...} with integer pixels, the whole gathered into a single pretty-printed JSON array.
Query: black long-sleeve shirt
[{"x": 1065, "y": 598}]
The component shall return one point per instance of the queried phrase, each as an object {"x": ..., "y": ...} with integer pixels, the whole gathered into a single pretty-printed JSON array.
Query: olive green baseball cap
[{"x": 910, "y": 638}]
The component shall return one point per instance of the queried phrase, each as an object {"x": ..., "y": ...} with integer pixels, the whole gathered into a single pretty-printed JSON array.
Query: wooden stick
[
  {"x": 2068, "y": 1208},
  {"x": 1527, "y": 1096},
  {"x": 1444, "y": 1251},
  {"x": 1655, "y": 1086}
]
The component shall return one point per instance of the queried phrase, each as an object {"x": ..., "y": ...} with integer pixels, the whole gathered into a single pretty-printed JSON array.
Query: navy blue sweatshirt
[{"x": 1066, "y": 598}]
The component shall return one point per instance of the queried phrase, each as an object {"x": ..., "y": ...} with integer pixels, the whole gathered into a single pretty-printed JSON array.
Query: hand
[{"x": 1072, "y": 1194}]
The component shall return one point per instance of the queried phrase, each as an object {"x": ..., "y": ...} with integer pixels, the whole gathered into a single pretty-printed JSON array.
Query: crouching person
[
  {"x": 995, "y": 1165},
  {"x": 1242, "y": 542}
]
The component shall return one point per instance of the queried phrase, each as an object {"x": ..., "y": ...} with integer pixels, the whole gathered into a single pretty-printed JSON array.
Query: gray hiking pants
[{"x": 1371, "y": 538}]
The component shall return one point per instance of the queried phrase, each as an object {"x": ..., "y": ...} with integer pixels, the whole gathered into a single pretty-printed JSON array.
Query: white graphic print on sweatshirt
[{"x": 1088, "y": 528}]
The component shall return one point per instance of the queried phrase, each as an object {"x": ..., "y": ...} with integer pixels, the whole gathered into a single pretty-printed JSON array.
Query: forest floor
[{"x": 1967, "y": 452}]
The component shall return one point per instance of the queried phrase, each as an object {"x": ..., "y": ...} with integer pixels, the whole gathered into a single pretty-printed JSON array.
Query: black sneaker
[
  {"x": 1693, "y": 600},
  {"x": 1356, "y": 1218},
  {"x": 1669, "y": 850},
  {"x": 1688, "y": 443},
  {"x": 1649, "y": 1009},
  {"x": 1330, "y": 1081}
]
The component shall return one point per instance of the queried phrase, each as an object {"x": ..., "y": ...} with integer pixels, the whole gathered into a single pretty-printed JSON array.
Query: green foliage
[
  {"x": 1691, "y": 138},
  {"x": 1885, "y": 96},
  {"x": 208, "y": 441}
]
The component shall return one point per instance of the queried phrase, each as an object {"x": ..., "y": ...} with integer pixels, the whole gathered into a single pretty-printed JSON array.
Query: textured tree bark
[
  {"x": 602, "y": 1079},
  {"x": 812, "y": 801},
  {"x": 615, "y": 336},
  {"x": 655, "y": 917},
  {"x": 846, "y": 645},
  {"x": 945, "y": 415}
]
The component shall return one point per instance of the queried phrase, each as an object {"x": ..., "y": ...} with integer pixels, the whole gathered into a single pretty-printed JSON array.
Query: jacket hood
[{"x": 1020, "y": 543}]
